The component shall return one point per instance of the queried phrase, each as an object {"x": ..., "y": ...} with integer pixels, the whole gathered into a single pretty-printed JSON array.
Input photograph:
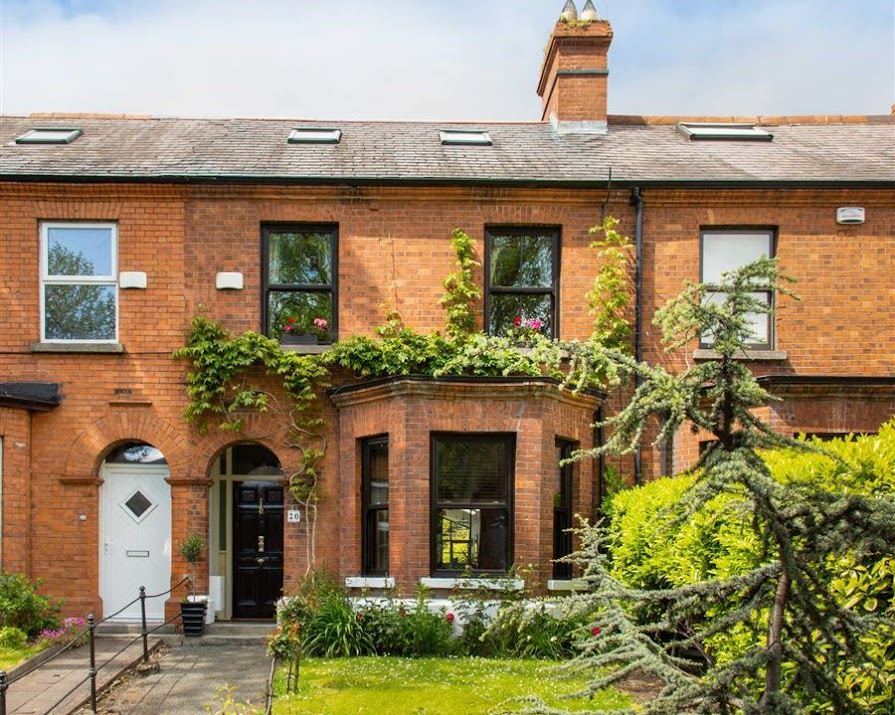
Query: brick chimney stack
[{"x": 575, "y": 73}]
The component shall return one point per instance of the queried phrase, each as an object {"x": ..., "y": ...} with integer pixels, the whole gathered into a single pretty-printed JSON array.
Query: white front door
[{"x": 135, "y": 539}]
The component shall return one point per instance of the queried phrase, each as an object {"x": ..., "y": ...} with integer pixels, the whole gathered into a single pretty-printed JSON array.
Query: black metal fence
[{"x": 92, "y": 670}]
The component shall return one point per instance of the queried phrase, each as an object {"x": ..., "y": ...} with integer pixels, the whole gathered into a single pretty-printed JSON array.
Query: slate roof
[{"x": 852, "y": 150}]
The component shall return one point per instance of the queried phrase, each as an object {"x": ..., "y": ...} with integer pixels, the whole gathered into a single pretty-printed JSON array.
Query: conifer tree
[{"x": 803, "y": 635}]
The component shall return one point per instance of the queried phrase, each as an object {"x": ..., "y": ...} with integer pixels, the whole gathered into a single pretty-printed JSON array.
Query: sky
[{"x": 444, "y": 60}]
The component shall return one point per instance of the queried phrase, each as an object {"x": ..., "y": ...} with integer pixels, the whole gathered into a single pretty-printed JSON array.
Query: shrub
[
  {"x": 387, "y": 625},
  {"x": 13, "y": 638},
  {"x": 652, "y": 548},
  {"x": 430, "y": 631},
  {"x": 334, "y": 629},
  {"x": 532, "y": 632},
  {"x": 320, "y": 616},
  {"x": 22, "y": 607},
  {"x": 72, "y": 630}
]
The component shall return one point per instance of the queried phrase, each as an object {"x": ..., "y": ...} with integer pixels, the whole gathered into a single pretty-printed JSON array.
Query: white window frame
[
  {"x": 731, "y": 234},
  {"x": 110, "y": 280}
]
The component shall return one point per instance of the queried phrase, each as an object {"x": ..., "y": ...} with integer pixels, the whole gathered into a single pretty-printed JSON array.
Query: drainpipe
[
  {"x": 601, "y": 459},
  {"x": 637, "y": 201}
]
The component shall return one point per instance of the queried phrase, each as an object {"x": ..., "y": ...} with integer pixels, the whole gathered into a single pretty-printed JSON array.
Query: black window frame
[
  {"x": 370, "y": 511},
  {"x": 552, "y": 291},
  {"x": 563, "y": 509},
  {"x": 509, "y": 439},
  {"x": 332, "y": 288},
  {"x": 771, "y": 293}
]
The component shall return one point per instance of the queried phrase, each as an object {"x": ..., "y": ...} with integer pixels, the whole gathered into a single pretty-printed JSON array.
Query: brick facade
[{"x": 832, "y": 363}]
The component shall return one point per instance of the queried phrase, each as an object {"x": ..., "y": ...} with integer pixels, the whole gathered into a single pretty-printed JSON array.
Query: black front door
[{"x": 258, "y": 548}]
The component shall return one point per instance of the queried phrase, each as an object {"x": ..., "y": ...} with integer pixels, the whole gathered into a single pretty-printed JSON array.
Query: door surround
[{"x": 221, "y": 518}]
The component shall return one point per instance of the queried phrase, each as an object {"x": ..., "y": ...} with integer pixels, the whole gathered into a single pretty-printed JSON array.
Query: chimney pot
[
  {"x": 589, "y": 12},
  {"x": 569, "y": 12}
]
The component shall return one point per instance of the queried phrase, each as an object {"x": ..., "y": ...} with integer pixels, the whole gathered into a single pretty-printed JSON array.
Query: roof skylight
[
  {"x": 49, "y": 135},
  {"x": 473, "y": 137},
  {"x": 723, "y": 132},
  {"x": 315, "y": 135}
]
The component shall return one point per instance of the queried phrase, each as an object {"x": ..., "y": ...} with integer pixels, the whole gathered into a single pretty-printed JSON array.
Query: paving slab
[
  {"x": 60, "y": 685},
  {"x": 189, "y": 677}
]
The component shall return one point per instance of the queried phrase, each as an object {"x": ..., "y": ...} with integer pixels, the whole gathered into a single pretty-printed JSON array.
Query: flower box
[{"x": 298, "y": 339}]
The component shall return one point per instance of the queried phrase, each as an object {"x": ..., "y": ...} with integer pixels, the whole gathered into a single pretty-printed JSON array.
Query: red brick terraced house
[{"x": 118, "y": 230}]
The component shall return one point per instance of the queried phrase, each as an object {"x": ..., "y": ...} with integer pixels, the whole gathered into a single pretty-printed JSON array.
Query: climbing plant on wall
[{"x": 228, "y": 372}]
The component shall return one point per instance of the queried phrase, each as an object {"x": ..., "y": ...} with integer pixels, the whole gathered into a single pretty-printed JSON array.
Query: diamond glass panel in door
[
  {"x": 79, "y": 282},
  {"x": 522, "y": 274},
  {"x": 138, "y": 505},
  {"x": 300, "y": 276}
]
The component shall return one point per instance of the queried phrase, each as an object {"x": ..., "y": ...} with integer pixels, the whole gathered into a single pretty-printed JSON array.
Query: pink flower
[
  {"x": 534, "y": 324},
  {"x": 449, "y": 617},
  {"x": 595, "y": 631},
  {"x": 321, "y": 323}
]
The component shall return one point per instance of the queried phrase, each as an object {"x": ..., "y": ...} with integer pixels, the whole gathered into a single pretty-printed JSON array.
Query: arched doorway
[
  {"x": 135, "y": 531},
  {"x": 247, "y": 530}
]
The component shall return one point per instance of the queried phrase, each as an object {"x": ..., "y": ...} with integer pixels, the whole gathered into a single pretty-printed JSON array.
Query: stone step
[{"x": 248, "y": 633}]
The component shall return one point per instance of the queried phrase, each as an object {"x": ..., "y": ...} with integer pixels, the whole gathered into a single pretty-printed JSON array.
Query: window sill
[
  {"x": 575, "y": 584},
  {"x": 471, "y": 584},
  {"x": 708, "y": 354},
  {"x": 369, "y": 582},
  {"x": 77, "y": 348},
  {"x": 305, "y": 349}
]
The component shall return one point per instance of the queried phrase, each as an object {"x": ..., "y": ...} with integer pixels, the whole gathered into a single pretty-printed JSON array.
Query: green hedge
[{"x": 651, "y": 548}]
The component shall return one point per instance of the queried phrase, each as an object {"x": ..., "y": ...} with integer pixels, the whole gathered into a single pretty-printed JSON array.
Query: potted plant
[
  {"x": 296, "y": 332},
  {"x": 193, "y": 607}
]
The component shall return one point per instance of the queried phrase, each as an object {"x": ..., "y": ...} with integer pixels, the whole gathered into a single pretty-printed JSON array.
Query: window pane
[
  {"x": 380, "y": 540},
  {"x": 475, "y": 538},
  {"x": 725, "y": 252},
  {"x": 135, "y": 453},
  {"x": 505, "y": 308},
  {"x": 79, "y": 312},
  {"x": 522, "y": 260},
  {"x": 255, "y": 459},
  {"x": 378, "y": 473},
  {"x": 758, "y": 322},
  {"x": 73, "y": 251},
  {"x": 304, "y": 307},
  {"x": 299, "y": 258},
  {"x": 472, "y": 471}
]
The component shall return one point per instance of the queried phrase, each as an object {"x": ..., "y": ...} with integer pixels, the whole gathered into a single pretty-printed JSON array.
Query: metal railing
[{"x": 92, "y": 671}]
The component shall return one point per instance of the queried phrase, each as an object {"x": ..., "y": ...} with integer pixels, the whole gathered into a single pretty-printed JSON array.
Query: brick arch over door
[
  {"x": 260, "y": 429},
  {"x": 86, "y": 455}
]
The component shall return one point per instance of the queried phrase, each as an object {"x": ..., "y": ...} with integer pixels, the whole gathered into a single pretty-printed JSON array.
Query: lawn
[
  {"x": 429, "y": 686},
  {"x": 11, "y": 657}
]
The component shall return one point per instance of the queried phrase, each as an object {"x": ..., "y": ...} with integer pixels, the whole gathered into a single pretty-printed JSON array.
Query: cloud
[{"x": 409, "y": 59}]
